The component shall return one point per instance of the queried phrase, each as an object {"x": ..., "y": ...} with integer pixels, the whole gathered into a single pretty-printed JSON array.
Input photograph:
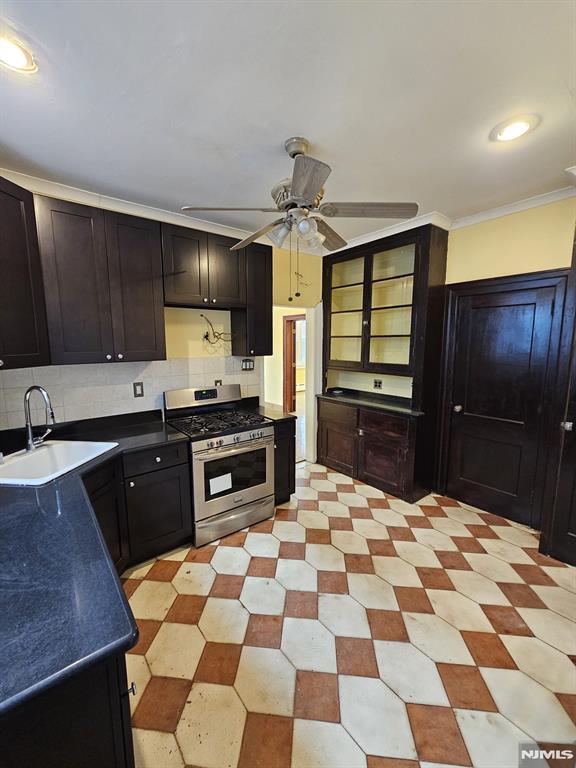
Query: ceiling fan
[{"x": 299, "y": 199}]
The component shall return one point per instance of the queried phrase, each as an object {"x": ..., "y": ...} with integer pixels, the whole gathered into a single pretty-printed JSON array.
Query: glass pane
[
  {"x": 392, "y": 350},
  {"x": 347, "y": 324},
  {"x": 345, "y": 349},
  {"x": 390, "y": 321},
  {"x": 348, "y": 272},
  {"x": 347, "y": 298},
  {"x": 391, "y": 292},
  {"x": 234, "y": 474},
  {"x": 398, "y": 261}
]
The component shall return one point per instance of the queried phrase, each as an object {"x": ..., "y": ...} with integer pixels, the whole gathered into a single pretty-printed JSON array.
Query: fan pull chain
[
  {"x": 297, "y": 294},
  {"x": 290, "y": 297}
]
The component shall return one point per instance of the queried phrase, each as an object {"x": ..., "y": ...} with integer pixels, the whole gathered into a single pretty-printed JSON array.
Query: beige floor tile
[
  {"x": 138, "y": 571},
  {"x": 396, "y": 571},
  {"x": 371, "y": 529},
  {"x": 297, "y": 575},
  {"x": 325, "y": 557},
  {"x": 324, "y": 745},
  {"x": 554, "y": 629},
  {"x": 375, "y": 717},
  {"x": 417, "y": 554},
  {"x": 564, "y": 577},
  {"x": 210, "y": 730},
  {"x": 175, "y": 651},
  {"x": 289, "y": 531},
  {"x": 264, "y": 596},
  {"x": 339, "y": 479},
  {"x": 493, "y": 568},
  {"x": 309, "y": 645},
  {"x": 371, "y": 591},
  {"x": 463, "y": 515},
  {"x": 491, "y": 740},
  {"x": 265, "y": 681},
  {"x": 516, "y": 536},
  {"x": 312, "y": 519},
  {"x": 333, "y": 509},
  {"x": 478, "y": 588},
  {"x": 262, "y": 545},
  {"x": 557, "y": 599},
  {"x": 137, "y": 672},
  {"x": 389, "y": 517},
  {"x": 404, "y": 508},
  {"x": 233, "y": 561},
  {"x": 176, "y": 554},
  {"x": 510, "y": 553},
  {"x": 459, "y": 610},
  {"x": 450, "y": 527},
  {"x": 349, "y": 542},
  {"x": 343, "y": 616},
  {"x": 410, "y": 673},
  {"x": 152, "y": 600},
  {"x": 548, "y": 666},
  {"x": 305, "y": 492},
  {"x": 434, "y": 539},
  {"x": 368, "y": 491},
  {"x": 154, "y": 749},
  {"x": 194, "y": 579},
  {"x": 353, "y": 499},
  {"x": 437, "y": 639},
  {"x": 223, "y": 621}
]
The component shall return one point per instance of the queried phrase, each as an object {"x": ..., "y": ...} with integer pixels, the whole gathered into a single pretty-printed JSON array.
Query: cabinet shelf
[{"x": 392, "y": 277}]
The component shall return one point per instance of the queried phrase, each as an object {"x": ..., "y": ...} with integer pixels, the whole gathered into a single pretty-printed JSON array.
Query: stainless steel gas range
[{"x": 232, "y": 453}]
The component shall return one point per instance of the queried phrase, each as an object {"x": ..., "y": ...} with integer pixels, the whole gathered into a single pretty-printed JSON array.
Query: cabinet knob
[
  {"x": 1, "y": 363},
  {"x": 108, "y": 357},
  {"x": 364, "y": 322},
  {"x": 205, "y": 300},
  {"x": 458, "y": 409},
  {"x": 213, "y": 301},
  {"x": 251, "y": 351},
  {"x": 132, "y": 689},
  {"x": 567, "y": 426},
  {"x": 120, "y": 356},
  {"x": 131, "y": 483},
  {"x": 158, "y": 459}
]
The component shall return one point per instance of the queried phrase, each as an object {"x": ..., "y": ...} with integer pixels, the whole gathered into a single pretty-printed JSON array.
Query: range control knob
[
  {"x": 236, "y": 438},
  {"x": 220, "y": 442},
  {"x": 210, "y": 443}
]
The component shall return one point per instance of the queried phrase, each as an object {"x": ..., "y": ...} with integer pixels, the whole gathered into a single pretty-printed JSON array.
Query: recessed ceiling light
[
  {"x": 514, "y": 128},
  {"x": 15, "y": 56}
]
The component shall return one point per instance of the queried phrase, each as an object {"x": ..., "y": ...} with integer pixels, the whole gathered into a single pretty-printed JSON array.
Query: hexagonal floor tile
[
  {"x": 324, "y": 745},
  {"x": 459, "y": 610},
  {"x": 409, "y": 673},
  {"x": 265, "y": 681},
  {"x": 289, "y": 531},
  {"x": 154, "y": 748},
  {"x": 389, "y": 517},
  {"x": 396, "y": 571},
  {"x": 152, "y": 600},
  {"x": 264, "y": 596},
  {"x": 194, "y": 579},
  {"x": 262, "y": 545},
  {"x": 370, "y": 529},
  {"x": 478, "y": 588},
  {"x": 175, "y": 651},
  {"x": 325, "y": 557},
  {"x": 309, "y": 645},
  {"x": 417, "y": 554},
  {"x": 491, "y": 740},
  {"x": 312, "y": 519},
  {"x": 137, "y": 671},
  {"x": 353, "y": 500},
  {"x": 372, "y": 592},
  {"x": 297, "y": 575},
  {"x": 334, "y": 508},
  {"x": 349, "y": 542},
  {"x": 493, "y": 568},
  {"x": 436, "y": 638},
  {"x": 343, "y": 616},
  {"x": 231, "y": 560},
  {"x": 223, "y": 621},
  {"x": 546, "y": 665},
  {"x": 554, "y": 629}
]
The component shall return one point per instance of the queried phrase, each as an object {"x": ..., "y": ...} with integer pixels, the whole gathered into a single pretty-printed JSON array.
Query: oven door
[{"x": 229, "y": 477}]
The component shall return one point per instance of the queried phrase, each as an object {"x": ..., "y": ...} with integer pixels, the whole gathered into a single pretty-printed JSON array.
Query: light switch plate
[{"x": 138, "y": 387}]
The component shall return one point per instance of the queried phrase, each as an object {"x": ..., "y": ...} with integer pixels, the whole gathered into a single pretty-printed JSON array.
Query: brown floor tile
[
  {"x": 264, "y": 631},
  {"x": 359, "y": 563},
  {"x": 302, "y": 482},
  {"x": 264, "y": 527},
  {"x": 344, "y": 488},
  {"x": 161, "y": 704},
  {"x": 262, "y": 566},
  {"x": 355, "y": 656},
  {"x": 453, "y": 561},
  {"x": 540, "y": 559},
  {"x": 130, "y": 586},
  {"x": 386, "y": 625},
  {"x": 327, "y": 496},
  {"x": 430, "y": 510},
  {"x": 267, "y": 742},
  {"x": 287, "y": 515},
  {"x": 379, "y": 503},
  {"x": 434, "y": 578},
  {"x": 436, "y": 734},
  {"x": 201, "y": 555},
  {"x": 218, "y": 664},
  {"x": 491, "y": 519},
  {"x": 568, "y": 701},
  {"x": 482, "y": 532},
  {"x": 332, "y": 582},
  {"x": 468, "y": 544},
  {"x": 397, "y": 533},
  {"x": 147, "y": 630},
  {"x": 522, "y": 596},
  {"x": 186, "y": 609},
  {"x": 163, "y": 570},
  {"x": 533, "y": 574},
  {"x": 227, "y": 586},
  {"x": 446, "y": 501},
  {"x": 317, "y": 696},
  {"x": 340, "y": 524},
  {"x": 318, "y": 475},
  {"x": 292, "y": 550},
  {"x": 362, "y": 513},
  {"x": 381, "y": 547},
  {"x": 234, "y": 540},
  {"x": 309, "y": 504},
  {"x": 466, "y": 688},
  {"x": 488, "y": 650},
  {"x": 413, "y": 599},
  {"x": 506, "y": 620},
  {"x": 389, "y": 762},
  {"x": 317, "y": 536},
  {"x": 303, "y": 605},
  {"x": 417, "y": 521}
]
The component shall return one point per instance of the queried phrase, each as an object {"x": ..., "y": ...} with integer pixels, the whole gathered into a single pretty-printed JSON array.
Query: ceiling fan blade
[
  {"x": 256, "y": 235},
  {"x": 333, "y": 240},
  {"x": 370, "y": 210},
  {"x": 208, "y": 208},
  {"x": 308, "y": 177}
]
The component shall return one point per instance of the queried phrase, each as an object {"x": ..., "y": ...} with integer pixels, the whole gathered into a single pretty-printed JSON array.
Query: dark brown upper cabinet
[
  {"x": 252, "y": 327},
  {"x": 23, "y": 331},
  {"x": 200, "y": 270},
  {"x": 103, "y": 282}
]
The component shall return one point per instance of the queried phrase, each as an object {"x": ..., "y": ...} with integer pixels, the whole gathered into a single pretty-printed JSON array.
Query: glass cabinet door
[
  {"x": 346, "y": 311},
  {"x": 390, "y": 310}
]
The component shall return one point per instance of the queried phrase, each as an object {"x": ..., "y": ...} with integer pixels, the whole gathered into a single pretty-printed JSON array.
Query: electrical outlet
[
  {"x": 377, "y": 383},
  {"x": 217, "y": 382},
  {"x": 138, "y": 387}
]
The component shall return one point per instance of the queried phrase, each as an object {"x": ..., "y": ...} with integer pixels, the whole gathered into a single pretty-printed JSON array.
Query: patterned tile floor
[{"x": 354, "y": 630}]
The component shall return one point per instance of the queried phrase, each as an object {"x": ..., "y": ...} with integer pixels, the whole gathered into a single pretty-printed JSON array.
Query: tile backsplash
[{"x": 85, "y": 391}]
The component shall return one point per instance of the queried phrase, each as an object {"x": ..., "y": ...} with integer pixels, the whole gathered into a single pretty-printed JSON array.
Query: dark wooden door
[
  {"x": 159, "y": 511},
  {"x": 502, "y": 342},
  {"x": 252, "y": 327},
  {"x": 185, "y": 255},
  {"x": 226, "y": 273},
  {"x": 284, "y": 460},
  {"x": 135, "y": 267},
  {"x": 23, "y": 330},
  {"x": 337, "y": 446},
  {"x": 73, "y": 253},
  {"x": 104, "y": 488}
]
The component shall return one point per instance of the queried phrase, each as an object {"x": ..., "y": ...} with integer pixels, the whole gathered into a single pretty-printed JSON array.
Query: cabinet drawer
[
  {"x": 383, "y": 423},
  {"x": 139, "y": 462},
  {"x": 338, "y": 413}
]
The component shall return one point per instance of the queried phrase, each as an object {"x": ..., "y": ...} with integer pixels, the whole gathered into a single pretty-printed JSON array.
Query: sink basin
[{"x": 50, "y": 460}]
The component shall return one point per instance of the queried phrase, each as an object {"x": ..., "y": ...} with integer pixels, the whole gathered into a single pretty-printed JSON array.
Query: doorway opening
[{"x": 294, "y": 376}]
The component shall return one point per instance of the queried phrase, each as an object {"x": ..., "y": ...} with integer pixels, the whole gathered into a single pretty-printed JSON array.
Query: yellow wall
[
  {"x": 529, "y": 241},
  {"x": 274, "y": 365},
  {"x": 311, "y": 271},
  {"x": 185, "y": 329}
]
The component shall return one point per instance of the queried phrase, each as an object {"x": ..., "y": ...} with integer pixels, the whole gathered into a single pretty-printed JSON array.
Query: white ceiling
[{"x": 166, "y": 102}]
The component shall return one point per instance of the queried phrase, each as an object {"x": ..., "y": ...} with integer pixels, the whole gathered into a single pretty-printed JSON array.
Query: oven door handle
[{"x": 213, "y": 453}]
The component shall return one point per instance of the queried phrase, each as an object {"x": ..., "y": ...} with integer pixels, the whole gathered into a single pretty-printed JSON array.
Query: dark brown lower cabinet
[
  {"x": 83, "y": 721},
  {"x": 159, "y": 509},
  {"x": 284, "y": 460},
  {"x": 105, "y": 491}
]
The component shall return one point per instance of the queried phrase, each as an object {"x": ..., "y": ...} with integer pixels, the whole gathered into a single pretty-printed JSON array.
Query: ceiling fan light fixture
[
  {"x": 279, "y": 234},
  {"x": 307, "y": 228}
]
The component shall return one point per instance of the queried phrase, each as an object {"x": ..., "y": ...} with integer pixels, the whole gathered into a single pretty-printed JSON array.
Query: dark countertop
[
  {"x": 275, "y": 412},
  {"x": 350, "y": 398}
]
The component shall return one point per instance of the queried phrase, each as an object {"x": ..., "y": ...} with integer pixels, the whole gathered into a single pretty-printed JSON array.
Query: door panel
[
  {"x": 226, "y": 273},
  {"x": 337, "y": 447},
  {"x": 382, "y": 462},
  {"x": 185, "y": 255},
  {"x": 75, "y": 267},
  {"x": 135, "y": 266},
  {"x": 500, "y": 365},
  {"x": 23, "y": 331}
]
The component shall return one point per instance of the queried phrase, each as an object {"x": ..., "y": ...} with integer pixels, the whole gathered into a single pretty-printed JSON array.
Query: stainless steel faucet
[{"x": 31, "y": 441}]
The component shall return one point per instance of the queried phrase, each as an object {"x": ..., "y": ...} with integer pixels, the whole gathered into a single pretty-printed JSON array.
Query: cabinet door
[
  {"x": 73, "y": 254},
  {"x": 185, "y": 257},
  {"x": 104, "y": 488},
  {"x": 383, "y": 462},
  {"x": 284, "y": 461},
  {"x": 135, "y": 266},
  {"x": 337, "y": 446},
  {"x": 23, "y": 331},
  {"x": 252, "y": 327},
  {"x": 226, "y": 273},
  {"x": 159, "y": 511}
]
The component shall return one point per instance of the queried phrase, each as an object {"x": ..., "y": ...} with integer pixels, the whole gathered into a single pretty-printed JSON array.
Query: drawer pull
[
  {"x": 158, "y": 459},
  {"x": 131, "y": 484},
  {"x": 132, "y": 689},
  {"x": 360, "y": 433},
  {"x": 120, "y": 356},
  {"x": 108, "y": 357}
]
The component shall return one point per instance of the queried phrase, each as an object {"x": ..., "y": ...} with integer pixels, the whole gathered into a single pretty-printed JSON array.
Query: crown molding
[
  {"x": 435, "y": 217},
  {"x": 520, "y": 205}
]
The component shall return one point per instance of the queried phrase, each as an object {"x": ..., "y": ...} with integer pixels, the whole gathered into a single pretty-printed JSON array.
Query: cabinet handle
[
  {"x": 131, "y": 484},
  {"x": 120, "y": 356},
  {"x": 275, "y": 446},
  {"x": 108, "y": 357},
  {"x": 132, "y": 689},
  {"x": 567, "y": 426},
  {"x": 251, "y": 351},
  {"x": 458, "y": 409},
  {"x": 158, "y": 459},
  {"x": 205, "y": 300},
  {"x": 360, "y": 433},
  {"x": 364, "y": 322},
  {"x": 213, "y": 301},
  {"x": 1, "y": 363}
]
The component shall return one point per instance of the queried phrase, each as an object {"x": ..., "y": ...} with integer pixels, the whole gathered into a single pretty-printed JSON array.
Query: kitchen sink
[{"x": 48, "y": 461}]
